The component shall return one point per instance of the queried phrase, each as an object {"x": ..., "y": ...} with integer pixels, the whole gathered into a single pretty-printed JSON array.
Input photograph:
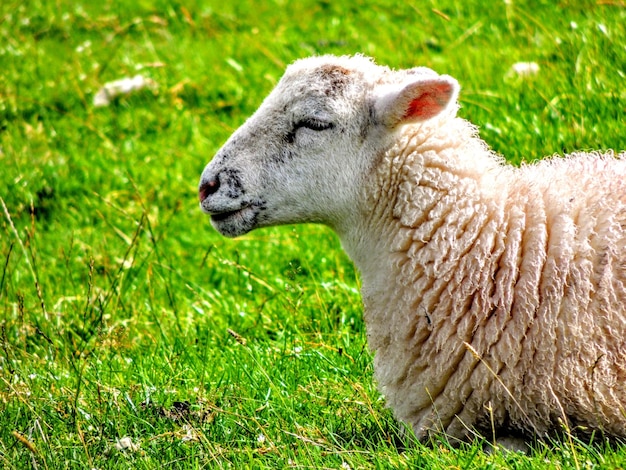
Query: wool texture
[{"x": 502, "y": 308}]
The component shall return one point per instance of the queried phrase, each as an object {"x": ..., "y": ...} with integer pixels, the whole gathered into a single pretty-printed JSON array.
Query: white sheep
[{"x": 495, "y": 296}]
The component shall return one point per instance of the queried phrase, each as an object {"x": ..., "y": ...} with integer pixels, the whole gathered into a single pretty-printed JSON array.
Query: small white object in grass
[
  {"x": 525, "y": 68},
  {"x": 86, "y": 415},
  {"x": 260, "y": 439},
  {"x": 126, "y": 443},
  {"x": 234, "y": 64},
  {"x": 189, "y": 433},
  {"x": 82, "y": 47},
  {"x": 117, "y": 88}
]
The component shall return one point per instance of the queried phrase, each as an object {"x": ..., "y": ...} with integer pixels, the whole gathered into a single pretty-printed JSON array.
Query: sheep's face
[{"x": 306, "y": 153}]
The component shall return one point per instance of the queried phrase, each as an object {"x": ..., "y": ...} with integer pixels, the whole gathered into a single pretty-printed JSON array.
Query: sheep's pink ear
[{"x": 415, "y": 101}]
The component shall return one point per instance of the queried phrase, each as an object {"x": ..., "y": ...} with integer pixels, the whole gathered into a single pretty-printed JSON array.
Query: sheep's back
[
  {"x": 516, "y": 298},
  {"x": 577, "y": 337}
]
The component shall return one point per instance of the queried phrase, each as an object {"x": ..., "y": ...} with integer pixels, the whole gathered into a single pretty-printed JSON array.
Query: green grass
[{"x": 123, "y": 314}]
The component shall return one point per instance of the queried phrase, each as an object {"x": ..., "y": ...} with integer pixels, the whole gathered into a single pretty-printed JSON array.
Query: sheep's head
[{"x": 307, "y": 151}]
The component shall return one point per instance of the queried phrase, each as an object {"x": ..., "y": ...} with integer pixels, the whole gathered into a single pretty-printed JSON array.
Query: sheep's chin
[{"x": 235, "y": 223}]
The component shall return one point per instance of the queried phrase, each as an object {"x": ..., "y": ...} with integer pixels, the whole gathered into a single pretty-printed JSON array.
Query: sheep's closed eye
[
  {"x": 314, "y": 124},
  {"x": 308, "y": 123}
]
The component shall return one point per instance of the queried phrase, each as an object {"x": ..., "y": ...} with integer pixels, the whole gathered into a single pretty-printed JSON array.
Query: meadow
[{"x": 132, "y": 335}]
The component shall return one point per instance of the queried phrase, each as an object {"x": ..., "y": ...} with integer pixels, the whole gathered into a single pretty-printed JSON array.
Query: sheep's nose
[{"x": 207, "y": 188}]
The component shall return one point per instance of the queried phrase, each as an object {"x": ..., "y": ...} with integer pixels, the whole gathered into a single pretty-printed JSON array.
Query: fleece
[{"x": 499, "y": 305}]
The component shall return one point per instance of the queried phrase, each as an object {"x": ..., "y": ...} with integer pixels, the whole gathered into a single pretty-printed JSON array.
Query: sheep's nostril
[{"x": 207, "y": 188}]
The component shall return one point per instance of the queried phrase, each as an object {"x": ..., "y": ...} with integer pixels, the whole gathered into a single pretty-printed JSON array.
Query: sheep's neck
[
  {"x": 431, "y": 214},
  {"x": 427, "y": 193}
]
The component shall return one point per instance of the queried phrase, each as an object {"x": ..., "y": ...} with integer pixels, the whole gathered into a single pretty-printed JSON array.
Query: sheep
[{"x": 494, "y": 295}]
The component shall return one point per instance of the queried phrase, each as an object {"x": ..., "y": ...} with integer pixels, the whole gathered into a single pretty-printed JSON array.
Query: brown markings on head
[{"x": 335, "y": 78}]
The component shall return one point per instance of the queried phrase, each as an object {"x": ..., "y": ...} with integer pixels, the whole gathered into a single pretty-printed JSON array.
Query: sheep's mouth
[
  {"x": 222, "y": 216},
  {"x": 235, "y": 222}
]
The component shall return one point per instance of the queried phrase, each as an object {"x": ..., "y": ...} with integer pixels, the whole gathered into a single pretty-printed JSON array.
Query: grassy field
[{"x": 134, "y": 336}]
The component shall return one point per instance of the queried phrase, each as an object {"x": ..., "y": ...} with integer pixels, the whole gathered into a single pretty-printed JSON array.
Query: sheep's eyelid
[{"x": 313, "y": 124}]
